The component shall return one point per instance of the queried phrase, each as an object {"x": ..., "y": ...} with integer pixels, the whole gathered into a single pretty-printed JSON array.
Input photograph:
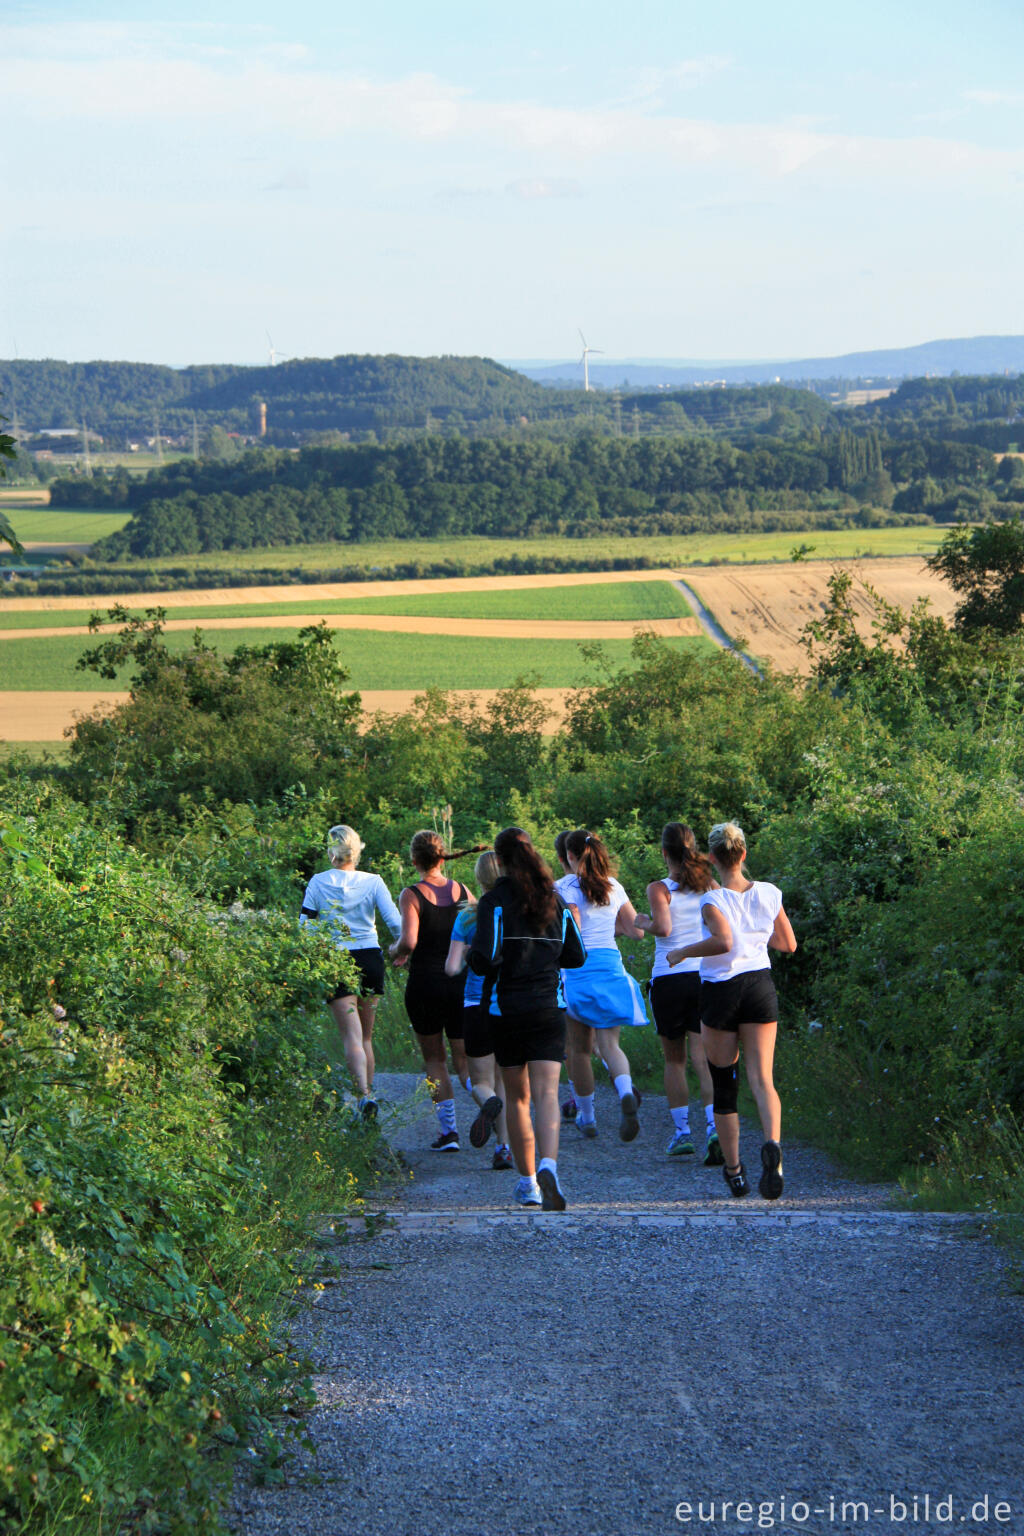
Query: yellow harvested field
[
  {"x": 768, "y": 605},
  {"x": 423, "y": 624},
  {"x": 46, "y": 716}
]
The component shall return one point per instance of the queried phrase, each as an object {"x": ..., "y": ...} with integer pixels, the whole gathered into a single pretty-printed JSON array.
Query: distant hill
[{"x": 976, "y": 355}]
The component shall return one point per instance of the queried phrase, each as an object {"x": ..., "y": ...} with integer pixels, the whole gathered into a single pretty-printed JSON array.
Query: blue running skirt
[{"x": 602, "y": 993}]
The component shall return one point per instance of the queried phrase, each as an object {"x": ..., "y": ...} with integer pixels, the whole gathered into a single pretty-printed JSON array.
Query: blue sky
[{"x": 678, "y": 180}]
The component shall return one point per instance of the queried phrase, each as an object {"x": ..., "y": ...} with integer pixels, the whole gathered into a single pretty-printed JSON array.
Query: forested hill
[{"x": 359, "y": 396}]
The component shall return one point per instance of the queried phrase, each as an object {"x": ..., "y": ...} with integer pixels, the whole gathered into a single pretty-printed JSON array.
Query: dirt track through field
[{"x": 45, "y": 715}]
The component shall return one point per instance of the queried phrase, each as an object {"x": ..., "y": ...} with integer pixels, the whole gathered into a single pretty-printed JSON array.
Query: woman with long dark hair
[
  {"x": 525, "y": 936},
  {"x": 433, "y": 1000},
  {"x": 738, "y": 1006},
  {"x": 675, "y": 992},
  {"x": 602, "y": 998},
  {"x": 478, "y": 1029}
]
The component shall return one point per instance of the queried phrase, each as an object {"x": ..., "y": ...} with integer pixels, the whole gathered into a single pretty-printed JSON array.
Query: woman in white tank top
[
  {"x": 744, "y": 919},
  {"x": 675, "y": 920}
]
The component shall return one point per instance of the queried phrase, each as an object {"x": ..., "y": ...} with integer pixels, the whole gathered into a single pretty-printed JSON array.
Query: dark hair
[
  {"x": 593, "y": 866},
  {"x": 529, "y": 874},
  {"x": 679, "y": 845},
  {"x": 560, "y": 842},
  {"x": 426, "y": 850}
]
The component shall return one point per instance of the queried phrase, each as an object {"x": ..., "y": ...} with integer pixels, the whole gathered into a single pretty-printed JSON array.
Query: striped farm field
[
  {"x": 52, "y": 525},
  {"x": 375, "y": 659},
  {"x": 635, "y": 601}
]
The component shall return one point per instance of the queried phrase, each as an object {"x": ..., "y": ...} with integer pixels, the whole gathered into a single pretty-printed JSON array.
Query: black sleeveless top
[{"x": 435, "y": 935}]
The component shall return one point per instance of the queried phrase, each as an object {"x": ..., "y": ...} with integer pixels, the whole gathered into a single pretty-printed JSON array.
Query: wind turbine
[
  {"x": 586, "y": 353},
  {"x": 274, "y": 354}
]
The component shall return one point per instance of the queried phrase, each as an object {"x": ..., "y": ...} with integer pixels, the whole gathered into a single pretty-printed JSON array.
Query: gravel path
[{"x": 485, "y": 1372}]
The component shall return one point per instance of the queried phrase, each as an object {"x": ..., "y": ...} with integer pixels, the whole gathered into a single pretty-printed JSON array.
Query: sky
[{"x": 675, "y": 180}]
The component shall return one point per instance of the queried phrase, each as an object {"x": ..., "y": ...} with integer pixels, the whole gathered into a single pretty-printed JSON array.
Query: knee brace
[{"x": 726, "y": 1085}]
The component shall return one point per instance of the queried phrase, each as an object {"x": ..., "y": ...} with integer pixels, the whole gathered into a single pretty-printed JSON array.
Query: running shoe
[
  {"x": 714, "y": 1157},
  {"x": 552, "y": 1197},
  {"x": 570, "y": 1109},
  {"x": 587, "y": 1128},
  {"x": 448, "y": 1141},
  {"x": 502, "y": 1160},
  {"x": 527, "y": 1193},
  {"x": 368, "y": 1108},
  {"x": 770, "y": 1183},
  {"x": 737, "y": 1181},
  {"x": 629, "y": 1125},
  {"x": 681, "y": 1145},
  {"x": 484, "y": 1122}
]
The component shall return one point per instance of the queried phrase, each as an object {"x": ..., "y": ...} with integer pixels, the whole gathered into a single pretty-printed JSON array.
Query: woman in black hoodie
[{"x": 525, "y": 937}]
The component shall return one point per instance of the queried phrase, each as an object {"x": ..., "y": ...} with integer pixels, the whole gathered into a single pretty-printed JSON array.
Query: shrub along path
[{"x": 483, "y": 1370}]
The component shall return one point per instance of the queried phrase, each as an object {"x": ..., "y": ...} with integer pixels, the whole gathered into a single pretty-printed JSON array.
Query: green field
[
  {"x": 628, "y": 600},
  {"x": 670, "y": 550},
  {"x": 54, "y": 525},
  {"x": 374, "y": 660}
]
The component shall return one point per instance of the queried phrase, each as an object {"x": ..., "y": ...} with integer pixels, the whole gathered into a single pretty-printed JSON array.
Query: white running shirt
[
  {"x": 597, "y": 924},
  {"x": 687, "y": 928},
  {"x": 350, "y": 898},
  {"x": 751, "y": 916}
]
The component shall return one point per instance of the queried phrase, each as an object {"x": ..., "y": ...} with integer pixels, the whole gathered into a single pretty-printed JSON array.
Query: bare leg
[
  {"x": 758, "y": 1055},
  {"x": 346, "y": 1016},
  {"x": 612, "y": 1054},
  {"x": 367, "y": 1016},
  {"x": 722, "y": 1049},
  {"x": 544, "y": 1077},
  {"x": 482, "y": 1070},
  {"x": 677, "y": 1090},
  {"x": 700, "y": 1063},
  {"x": 520, "y": 1128},
  {"x": 436, "y": 1064},
  {"x": 460, "y": 1062},
  {"x": 581, "y": 1056}
]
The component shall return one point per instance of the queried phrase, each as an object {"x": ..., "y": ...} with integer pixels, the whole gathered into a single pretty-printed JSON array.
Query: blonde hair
[
  {"x": 485, "y": 870},
  {"x": 727, "y": 843},
  {"x": 344, "y": 844}
]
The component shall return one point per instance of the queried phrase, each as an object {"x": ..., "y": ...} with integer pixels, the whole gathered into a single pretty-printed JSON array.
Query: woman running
[
  {"x": 525, "y": 935},
  {"x": 433, "y": 1000},
  {"x": 675, "y": 994},
  {"x": 348, "y": 900},
  {"x": 477, "y": 1027},
  {"x": 570, "y": 1108},
  {"x": 738, "y": 1005},
  {"x": 601, "y": 998}
]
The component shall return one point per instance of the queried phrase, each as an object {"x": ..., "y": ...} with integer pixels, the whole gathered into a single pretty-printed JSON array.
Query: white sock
[
  {"x": 709, "y": 1115},
  {"x": 681, "y": 1119},
  {"x": 585, "y": 1107},
  {"x": 572, "y": 1091},
  {"x": 528, "y": 1181},
  {"x": 550, "y": 1164},
  {"x": 446, "y": 1115},
  {"x": 623, "y": 1085}
]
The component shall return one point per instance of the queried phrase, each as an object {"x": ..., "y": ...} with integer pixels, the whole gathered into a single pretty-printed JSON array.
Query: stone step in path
[{"x": 659, "y": 1358}]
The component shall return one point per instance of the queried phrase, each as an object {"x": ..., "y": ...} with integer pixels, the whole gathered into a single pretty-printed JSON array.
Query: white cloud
[
  {"x": 993, "y": 98},
  {"x": 531, "y": 188}
]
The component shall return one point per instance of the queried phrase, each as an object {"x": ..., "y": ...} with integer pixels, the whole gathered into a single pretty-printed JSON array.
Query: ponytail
[
  {"x": 679, "y": 846},
  {"x": 529, "y": 874},
  {"x": 593, "y": 866}
]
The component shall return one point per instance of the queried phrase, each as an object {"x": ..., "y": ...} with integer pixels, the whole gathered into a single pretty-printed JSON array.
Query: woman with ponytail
[
  {"x": 601, "y": 998},
  {"x": 743, "y": 919},
  {"x": 525, "y": 936},
  {"x": 675, "y": 993},
  {"x": 433, "y": 1000}
]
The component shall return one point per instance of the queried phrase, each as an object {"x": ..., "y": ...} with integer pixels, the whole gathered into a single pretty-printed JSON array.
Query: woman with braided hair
[
  {"x": 525, "y": 936},
  {"x": 602, "y": 998}
]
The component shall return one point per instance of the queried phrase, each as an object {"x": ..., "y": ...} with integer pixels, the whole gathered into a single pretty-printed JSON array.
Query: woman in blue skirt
[{"x": 601, "y": 997}]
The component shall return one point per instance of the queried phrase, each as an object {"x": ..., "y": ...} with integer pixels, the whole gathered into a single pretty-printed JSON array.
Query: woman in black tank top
[{"x": 433, "y": 1000}]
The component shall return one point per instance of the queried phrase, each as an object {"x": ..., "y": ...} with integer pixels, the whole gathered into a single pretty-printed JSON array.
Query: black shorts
[
  {"x": 478, "y": 1030},
  {"x": 434, "y": 1003},
  {"x": 371, "y": 974},
  {"x": 675, "y": 1003},
  {"x": 523, "y": 1037},
  {"x": 745, "y": 999}
]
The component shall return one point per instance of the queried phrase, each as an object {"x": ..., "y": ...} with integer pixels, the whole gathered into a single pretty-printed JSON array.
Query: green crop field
[
  {"x": 637, "y": 601},
  {"x": 670, "y": 550},
  {"x": 374, "y": 660},
  {"x": 55, "y": 525}
]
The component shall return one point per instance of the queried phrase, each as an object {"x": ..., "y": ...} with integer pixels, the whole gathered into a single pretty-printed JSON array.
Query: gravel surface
[{"x": 484, "y": 1372}]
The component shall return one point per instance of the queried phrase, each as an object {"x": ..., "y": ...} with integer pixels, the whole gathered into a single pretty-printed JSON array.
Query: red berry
[{"x": 38, "y": 1206}]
